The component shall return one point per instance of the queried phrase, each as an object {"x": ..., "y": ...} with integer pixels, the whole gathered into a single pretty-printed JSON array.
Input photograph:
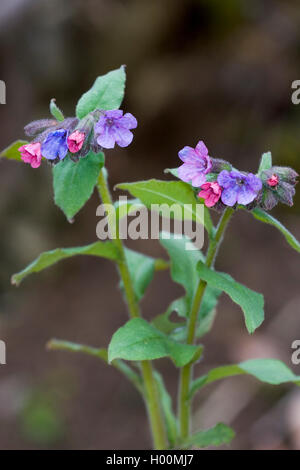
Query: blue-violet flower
[
  {"x": 238, "y": 187},
  {"x": 55, "y": 145}
]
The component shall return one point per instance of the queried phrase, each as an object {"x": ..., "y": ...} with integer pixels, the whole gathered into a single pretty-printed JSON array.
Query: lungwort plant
[{"x": 74, "y": 147}]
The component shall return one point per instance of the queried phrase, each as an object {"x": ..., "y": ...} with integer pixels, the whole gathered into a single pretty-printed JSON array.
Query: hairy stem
[
  {"x": 187, "y": 371},
  {"x": 151, "y": 394}
]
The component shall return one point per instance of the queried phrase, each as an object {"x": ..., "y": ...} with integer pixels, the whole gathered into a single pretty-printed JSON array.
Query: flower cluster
[
  {"x": 99, "y": 130},
  {"x": 222, "y": 185}
]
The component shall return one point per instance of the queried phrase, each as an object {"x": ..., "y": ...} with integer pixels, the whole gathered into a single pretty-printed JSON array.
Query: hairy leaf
[
  {"x": 171, "y": 193},
  {"x": 271, "y": 371},
  {"x": 137, "y": 340},
  {"x": 11, "y": 152},
  {"x": 48, "y": 258},
  {"x": 250, "y": 302},
  {"x": 184, "y": 271},
  {"x": 216, "y": 436},
  {"x": 263, "y": 216},
  {"x": 265, "y": 162},
  {"x": 141, "y": 268},
  {"x": 106, "y": 93},
  {"x": 74, "y": 182},
  {"x": 55, "y": 111}
]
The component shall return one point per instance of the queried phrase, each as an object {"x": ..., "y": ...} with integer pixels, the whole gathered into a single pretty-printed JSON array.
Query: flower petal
[
  {"x": 113, "y": 114},
  {"x": 187, "y": 154},
  {"x": 208, "y": 164},
  {"x": 254, "y": 182},
  {"x": 123, "y": 136},
  {"x": 211, "y": 200},
  {"x": 229, "y": 196},
  {"x": 35, "y": 162},
  {"x": 198, "y": 179},
  {"x": 204, "y": 194},
  {"x": 206, "y": 186},
  {"x": 201, "y": 149},
  {"x": 128, "y": 121},
  {"x": 106, "y": 139},
  {"x": 55, "y": 145},
  {"x": 246, "y": 195},
  {"x": 224, "y": 179},
  {"x": 100, "y": 125},
  {"x": 186, "y": 172}
]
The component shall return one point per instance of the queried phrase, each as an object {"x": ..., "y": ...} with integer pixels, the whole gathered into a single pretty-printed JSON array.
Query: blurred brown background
[{"x": 212, "y": 70}]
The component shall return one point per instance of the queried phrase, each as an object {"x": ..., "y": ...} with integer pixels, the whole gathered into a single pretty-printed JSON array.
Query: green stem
[
  {"x": 151, "y": 394},
  {"x": 186, "y": 372}
]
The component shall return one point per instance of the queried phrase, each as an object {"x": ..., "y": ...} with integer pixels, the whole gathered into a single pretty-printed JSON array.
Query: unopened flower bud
[
  {"x": 218, "y": 165},
  {"x": 278, "y": 186},
  {"x": 31, "y": 153},
  {"x": 75, "y": 141},
  {"x": 36, "y": 127}
]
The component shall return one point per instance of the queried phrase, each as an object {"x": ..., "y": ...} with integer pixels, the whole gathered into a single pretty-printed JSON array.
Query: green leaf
[
  {"x": 183, "y": 262},
  {"x": 141, "y": 269},
  {"x": 125, "y": 207},
  {"x": 251, "y": 302},
  {"x": 204, "y": 325},
  {"x": 178, "y": 330},
  {"x": 74, "y": 182},
  {"x": 164, "y": 324},
  {"x": 172, "y": 171},
  {"x": 170, "y": 193},
  {"x": 137, "y": 340},
  {"x": 106, "y": 93},
  {"x": 184, "y": 271},
  {"x": 216, "y": 436},
  {"x": 169, "y": 416},
  {"x": 265, "y": 162},
  {"x": 263, "y": 216},
  {"x": 48, "y": 258},
  {"x": 271, "y": 371},
  {"x": 205, "y": 322},
  {"x": 11, "y": 152},
  {"x": 55, "y": 111}
]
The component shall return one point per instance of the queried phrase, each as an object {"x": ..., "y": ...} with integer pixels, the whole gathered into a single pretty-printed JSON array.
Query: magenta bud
[
  {"x": 75, "y": 141},
  {"x": 31, "y": 153}
]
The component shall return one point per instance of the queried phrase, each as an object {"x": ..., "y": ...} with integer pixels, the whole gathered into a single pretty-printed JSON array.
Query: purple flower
[
  {"x": 238, "y": 187},
  {"x": 196, "y": 164},
  {"x": 55, "y": 145},
  {"x": 113, "y": 127}
]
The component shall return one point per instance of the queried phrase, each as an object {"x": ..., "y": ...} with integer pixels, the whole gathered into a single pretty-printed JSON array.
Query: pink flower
[
  {"x": 211, "y": 193},
  {"x": 75, "y": 141},
  {"x": 31, "y": 153},
  {"x": 196, "y": 164},
  {"x": 273, "y": 181}
]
